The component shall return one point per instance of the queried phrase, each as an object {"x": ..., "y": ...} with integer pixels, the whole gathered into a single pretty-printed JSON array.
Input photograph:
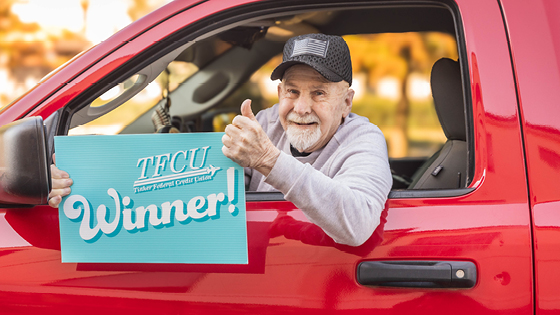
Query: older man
[{"x": 332, "y": 164}]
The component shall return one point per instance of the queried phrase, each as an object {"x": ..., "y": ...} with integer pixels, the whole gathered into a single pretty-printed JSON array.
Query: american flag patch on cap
[{"x": 310, "y": 46}]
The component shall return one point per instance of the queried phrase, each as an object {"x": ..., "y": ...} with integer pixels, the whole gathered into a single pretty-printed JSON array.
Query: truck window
[{"x": 392, "y": 64}]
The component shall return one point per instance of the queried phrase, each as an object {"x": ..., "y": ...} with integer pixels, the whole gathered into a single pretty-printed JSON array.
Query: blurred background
[
  {"x": 37, "y": 36},
  {"x": 391, "y": 80},
  {"x": 391, "y": 70}
]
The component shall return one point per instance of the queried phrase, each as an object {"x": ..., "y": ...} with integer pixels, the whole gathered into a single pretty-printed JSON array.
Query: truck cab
[{"x": 471, "y": 223}]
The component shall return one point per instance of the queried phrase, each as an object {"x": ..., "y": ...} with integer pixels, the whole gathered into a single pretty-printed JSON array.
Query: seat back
[{"x": 447, "y": 168}]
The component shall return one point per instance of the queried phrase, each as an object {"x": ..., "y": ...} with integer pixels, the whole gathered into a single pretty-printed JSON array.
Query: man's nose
[{"x": 303, "y": 105}]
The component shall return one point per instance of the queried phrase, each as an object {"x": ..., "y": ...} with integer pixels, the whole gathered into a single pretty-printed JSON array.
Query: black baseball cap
[{"x": 327, "y": 54}]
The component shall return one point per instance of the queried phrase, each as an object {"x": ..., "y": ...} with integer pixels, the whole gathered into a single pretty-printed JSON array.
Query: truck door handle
[{"x": 428, "y": 274}]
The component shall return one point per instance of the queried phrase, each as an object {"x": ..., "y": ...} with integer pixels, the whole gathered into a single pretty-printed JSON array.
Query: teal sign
[{"x": 156, "y": 198}]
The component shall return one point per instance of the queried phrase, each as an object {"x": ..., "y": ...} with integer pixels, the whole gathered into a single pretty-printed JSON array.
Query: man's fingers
[
  {"x": 57, "y": 173},
  {"x": 246, "y": 110},
  {"x": 232, "y": 131},
  {"x": 61, "y": 183},
  {"x": 55, "y": 196},
  {"x": 226, "y": 140},
  {"x": 64, "y": 191},
  {"x": 55, "y": 201}
]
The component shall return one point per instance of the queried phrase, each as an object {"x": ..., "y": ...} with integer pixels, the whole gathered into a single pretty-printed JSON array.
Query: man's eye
[
  {"x": 290, "y": 91},
  {"x": 319, "y": 93}
]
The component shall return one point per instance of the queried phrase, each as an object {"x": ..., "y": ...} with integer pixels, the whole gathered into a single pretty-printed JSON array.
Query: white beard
[{"x": 303, "y": 139}]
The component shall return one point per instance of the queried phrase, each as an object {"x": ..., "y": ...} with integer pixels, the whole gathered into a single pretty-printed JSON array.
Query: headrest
[{"x": 447, "y": 90}]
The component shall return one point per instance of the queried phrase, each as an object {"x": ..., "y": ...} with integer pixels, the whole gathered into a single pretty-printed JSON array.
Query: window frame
[{"x": 242, "y": 14}]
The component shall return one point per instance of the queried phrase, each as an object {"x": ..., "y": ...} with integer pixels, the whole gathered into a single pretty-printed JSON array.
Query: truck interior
[{"x": 410, "y": 80}]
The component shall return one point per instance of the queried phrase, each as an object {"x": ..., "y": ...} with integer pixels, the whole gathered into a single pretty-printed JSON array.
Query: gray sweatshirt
[{"x": 341, "y": 187}]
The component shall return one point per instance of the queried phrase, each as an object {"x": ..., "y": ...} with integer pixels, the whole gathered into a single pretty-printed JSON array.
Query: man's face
[{"x": 311, "y": 107}]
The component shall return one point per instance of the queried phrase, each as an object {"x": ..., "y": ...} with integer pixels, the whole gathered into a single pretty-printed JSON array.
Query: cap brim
[{"x": 278, "y": 73}]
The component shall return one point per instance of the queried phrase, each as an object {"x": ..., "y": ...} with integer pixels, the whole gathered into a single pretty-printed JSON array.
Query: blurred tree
[
  {"x": 19, "y": 51},
  {"x": 85, "y": 5},
  {"x": 399, "y": 55},
  {"x": 28, "y": 52},
  {"x": 139, "y": 8}
]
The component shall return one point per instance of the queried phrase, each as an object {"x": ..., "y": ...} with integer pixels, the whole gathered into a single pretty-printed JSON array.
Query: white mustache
[{"x": 306, "y": 119}]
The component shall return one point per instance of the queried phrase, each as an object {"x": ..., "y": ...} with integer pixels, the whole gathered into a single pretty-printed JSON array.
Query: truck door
[{"x": 533, "y": 28}]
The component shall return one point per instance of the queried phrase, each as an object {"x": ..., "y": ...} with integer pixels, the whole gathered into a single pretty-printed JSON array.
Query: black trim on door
[{"x": 424, "y": 274}]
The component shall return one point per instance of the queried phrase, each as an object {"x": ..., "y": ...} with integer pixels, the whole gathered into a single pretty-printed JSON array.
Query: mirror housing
[{"x": 25, "y": 177}]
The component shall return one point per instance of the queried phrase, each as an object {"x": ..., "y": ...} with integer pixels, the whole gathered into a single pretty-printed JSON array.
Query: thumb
[{"x": 246, "y": 110}]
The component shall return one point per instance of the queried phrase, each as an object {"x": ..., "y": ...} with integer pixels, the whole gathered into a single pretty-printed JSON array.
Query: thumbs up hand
[
  {"x": 246, "y": 143},
  {"x": 246, "y": 110}
]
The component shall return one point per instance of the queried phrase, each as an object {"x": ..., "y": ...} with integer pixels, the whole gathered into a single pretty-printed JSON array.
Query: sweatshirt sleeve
[{"x": 346, "y": 203}]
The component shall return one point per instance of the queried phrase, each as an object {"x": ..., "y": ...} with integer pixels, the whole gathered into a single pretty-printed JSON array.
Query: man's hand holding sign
[
  {"x": 329, "y": 162},
  {"x": 61, "y": 183}
]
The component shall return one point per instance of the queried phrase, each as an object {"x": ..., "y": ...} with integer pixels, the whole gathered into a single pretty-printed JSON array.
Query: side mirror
[{"x": 25, "y": 177}]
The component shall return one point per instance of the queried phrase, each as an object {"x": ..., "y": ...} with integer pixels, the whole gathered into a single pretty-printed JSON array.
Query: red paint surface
[{"x": 535, "y": 42}]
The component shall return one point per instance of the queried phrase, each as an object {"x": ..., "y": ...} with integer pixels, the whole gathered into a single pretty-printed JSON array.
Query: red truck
[{"x": 486, "y": 241}]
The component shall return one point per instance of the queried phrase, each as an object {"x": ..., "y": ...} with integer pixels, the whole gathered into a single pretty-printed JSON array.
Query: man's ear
[
  {"x": 279, "y": 89},
  {"x": 348, "y": 102}
]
